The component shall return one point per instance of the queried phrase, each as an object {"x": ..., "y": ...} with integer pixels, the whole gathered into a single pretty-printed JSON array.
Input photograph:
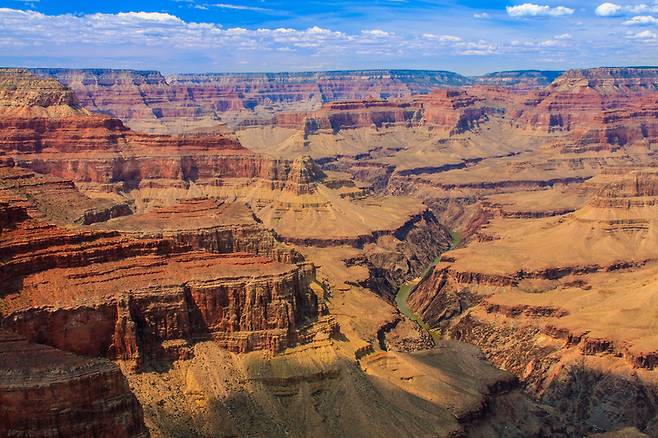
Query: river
[{"x": 405, "y": 290}]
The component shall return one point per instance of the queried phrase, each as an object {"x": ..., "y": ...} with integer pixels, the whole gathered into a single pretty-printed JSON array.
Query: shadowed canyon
[{"x": 219, "y": 255}]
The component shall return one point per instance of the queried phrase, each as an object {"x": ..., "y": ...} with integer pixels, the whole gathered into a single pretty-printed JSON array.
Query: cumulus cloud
[
  {"x": 482, "y": 15},
  {"x": 646, "y": 35},
  {"x": 149, "y": 28},
  {"x": 165, "y": 41},
  {"x": 608, "y": 9},
  {"x": 534, "y": 10},
  {"x": 477, "y": 48},
  {"x": 642, "y": 20}
]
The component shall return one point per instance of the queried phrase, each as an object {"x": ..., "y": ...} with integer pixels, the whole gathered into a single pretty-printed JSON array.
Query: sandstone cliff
[
  {"x": 602, "y": 109},
  {"x": 47, "y": 392},
  {"x": 563, "y": 307}
]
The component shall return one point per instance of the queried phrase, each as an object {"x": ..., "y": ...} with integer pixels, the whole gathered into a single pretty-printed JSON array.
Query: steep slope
[
  {"x": 605, "y": 108},
  {"x": 145, "y": 100},
  {"x": 559, "y": 301},
  {"x": 47, "y": 392}
]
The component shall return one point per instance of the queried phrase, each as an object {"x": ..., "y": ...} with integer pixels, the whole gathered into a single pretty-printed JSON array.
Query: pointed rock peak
[
  {"x": 303, "y": 176},
  {"x": 304, "y": 170}
]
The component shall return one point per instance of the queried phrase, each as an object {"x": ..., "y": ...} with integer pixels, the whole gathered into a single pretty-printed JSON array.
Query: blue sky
[{"x": 470, "y": 37}]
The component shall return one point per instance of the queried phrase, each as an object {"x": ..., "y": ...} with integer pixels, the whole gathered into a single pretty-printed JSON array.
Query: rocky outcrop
[
  {"x": 205, "y": 224},
  {"x": 60, "y": 285},
  {"x": 58, "y": 200},
  {"x": 350, "y": 115},
  {"x": 450, "y": 110},
  {"x": 303, "y": 176},
  {"x": 63, "y": 140},
  {"x": 529, "y": 310},
  {"x": 321, "y": 86},
  {"x": 454, "y": 111},
  {"x": 602, "y": 109},
  {"x": 142, "y": 99},
  {"x": 242, "y": 302},
  {"x": 392, "y": 260},
  {"x": 47, "y": 392}
]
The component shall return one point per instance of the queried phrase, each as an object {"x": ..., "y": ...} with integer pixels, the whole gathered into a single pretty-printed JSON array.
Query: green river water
[{"x": 405, "y": 290}]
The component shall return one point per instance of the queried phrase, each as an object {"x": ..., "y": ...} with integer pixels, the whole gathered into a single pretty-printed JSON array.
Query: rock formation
[
  {"x": 526, "y": 309},
  {"x": 145, "y": 100},
  {"x": 605, "y": 108},
  {"x": 47, "y": 392},
  {"x": 245, "y": 282}
]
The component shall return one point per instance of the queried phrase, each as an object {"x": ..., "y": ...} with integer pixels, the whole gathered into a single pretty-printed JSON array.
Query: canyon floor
[{"x": 355, "y": 254}]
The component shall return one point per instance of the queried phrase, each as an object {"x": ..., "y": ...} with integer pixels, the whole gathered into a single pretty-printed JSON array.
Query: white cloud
[
  {"x": 534, "y": 10},
  {"x": 482, "y": 15},
  {"x": 165, "y": 41},
  {"x": 237, "y": 7},
  {"x": 646, "y": 35},
  {"x": 479, "y": 48},
  {"x": 608, "y": 10},
  {"x": 641, "y": 20},
  {"x": 442, "y": 38},
  {"x": 378, "y": 33},
  {"x": 147, "y": 16},
  {"x": 151, "y": 29}
]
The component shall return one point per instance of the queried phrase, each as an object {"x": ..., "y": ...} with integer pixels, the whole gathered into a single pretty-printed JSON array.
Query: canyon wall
[{"x": 47, "y": 392}]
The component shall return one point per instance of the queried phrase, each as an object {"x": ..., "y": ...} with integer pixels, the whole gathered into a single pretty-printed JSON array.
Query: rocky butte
[{"x": 356, "y": 253}]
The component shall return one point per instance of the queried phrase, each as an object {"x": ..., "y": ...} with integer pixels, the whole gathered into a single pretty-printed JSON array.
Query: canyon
[{"x": 220, "y": 254}]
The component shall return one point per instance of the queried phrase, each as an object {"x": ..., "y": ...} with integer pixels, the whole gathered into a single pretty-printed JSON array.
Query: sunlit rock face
[{"x": 220, "y": 254}]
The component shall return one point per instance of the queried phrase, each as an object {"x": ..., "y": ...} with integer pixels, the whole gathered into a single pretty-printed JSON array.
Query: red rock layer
[
  {"x": 127, "y": 94},
  {"x": 448, "y": 109},
  {"x": 135, "y": 96},
  {"x": 63, "y": 140},
  {"x": 47, "y": 392},
  {"x": 351, "y": 114},
  {"x": 604, "y": 108},
  {"x": 205, "y": 224},
  {"x": 454, "y": 110},
  {"x": 60, "y": 287},
  {"x": 139, "y": 306}
]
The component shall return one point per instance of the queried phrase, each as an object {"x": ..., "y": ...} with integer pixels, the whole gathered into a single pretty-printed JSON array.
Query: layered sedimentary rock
[
  {"x": 601, "y": 109},
  {"x": 562, "y": 301},
  {"x": 174, "y": 256},
  {"x": 452, "y": 110},
  {"x": 350, "y": 115},
  {"x": 254, "y": 302},
  {"x": 205, "y": 224},
  {"x": 47, "y": 392},
  {"x": 48, "y": 194},
  {"x": 449, "y": 110},
  {"x": 323, "y": 86},
  {"x": 145, "y": 100},
  {"x": 55, "y": 135},
  {"x": 241, "y": 301},
  {"x": 142, "y": 99}
]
